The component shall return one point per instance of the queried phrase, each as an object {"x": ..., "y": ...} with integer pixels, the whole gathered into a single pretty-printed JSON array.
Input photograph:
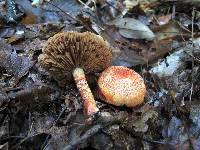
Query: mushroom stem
[{"x": 89, "y": 103}]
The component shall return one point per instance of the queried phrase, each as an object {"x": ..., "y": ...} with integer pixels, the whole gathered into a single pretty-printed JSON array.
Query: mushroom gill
[{"x": 74, "y": 53}]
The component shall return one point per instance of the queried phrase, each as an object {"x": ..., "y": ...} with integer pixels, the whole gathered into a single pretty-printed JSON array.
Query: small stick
[
  {"x": 103, "y": 122},
  {"x": 191, "y": 91},
  {"x": 92, "y": 131}
]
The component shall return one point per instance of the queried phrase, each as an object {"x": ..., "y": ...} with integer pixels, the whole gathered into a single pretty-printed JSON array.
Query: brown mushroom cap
[
  {"x": 122, "y": 86},
  {"x": 65, "y": 51}
]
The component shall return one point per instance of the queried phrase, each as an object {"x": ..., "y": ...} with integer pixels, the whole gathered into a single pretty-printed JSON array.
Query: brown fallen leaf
[
  {"x": 12, "y": 39},
  {"x": 171, "y": 30},
  {"x": 132, "y": 52},
  {"x": 127, "y": 56},
  {"x": 165, "y": 35},
  {"x": 30, "y": 18},
  {"x": 125, "y": 53}
]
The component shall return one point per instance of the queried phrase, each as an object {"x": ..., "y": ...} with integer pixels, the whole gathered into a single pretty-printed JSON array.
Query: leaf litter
[{"x": 160, "y": 40}]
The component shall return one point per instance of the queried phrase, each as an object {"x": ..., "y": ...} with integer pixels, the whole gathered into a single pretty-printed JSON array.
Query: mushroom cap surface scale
[
  {"x": 66, "y": 51},
  {"x": 122, "y": 86}
]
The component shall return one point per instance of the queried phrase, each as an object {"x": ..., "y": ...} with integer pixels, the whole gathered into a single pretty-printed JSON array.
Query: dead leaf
[
  {"x": 146, "y": 5},
  {"x": 130, "y": 4},
  {"x": 26, "y": 96},
  {"x": 140, "y": 123},
  {"x": 165, "y": 36},
  {"x": 177, "y": 135},
  {"x": 162, "y": 20},
  {"x": 6, "y": 32},
  {"x": 124, "y": 53},
  {"x": 18, "y": 66},
  {"x": 171, "y": 64},
  {"x": 127, "y": 58},
  {"x": 4, "y": 146},
  {"x": 37, "y": 141},
  {"x": 30, "y": 46},
  {"x": 172, "y": 30},
  {"x": 132, "y": 28},
  {"x": 30, "y": 18}
]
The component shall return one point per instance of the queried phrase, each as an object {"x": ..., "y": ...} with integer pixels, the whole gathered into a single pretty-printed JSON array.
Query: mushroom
[
  {"x": 120, "y": 86},
  {"x": 72, "y": 53}
]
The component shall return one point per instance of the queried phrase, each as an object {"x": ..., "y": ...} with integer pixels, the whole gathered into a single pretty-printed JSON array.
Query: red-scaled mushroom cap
[{"x": 122, "y": 86}]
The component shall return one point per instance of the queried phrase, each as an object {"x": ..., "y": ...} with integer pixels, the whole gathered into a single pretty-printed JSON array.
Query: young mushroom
[
  {"x": 73, "y": 53},
  {"x": 121, "y": 86}
]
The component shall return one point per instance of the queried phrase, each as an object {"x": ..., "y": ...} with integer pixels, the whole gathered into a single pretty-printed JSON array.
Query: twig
[
  {"x": 144, "y": 139},
  {"x": 27, "y": 138},
  {"x": 77, "y": 20},
  {"x": 195, "y": 59},
  {"x": 10, "y": 137},
  {"x": 108, "y": 3},
  {"x": 85, "y": 5},
  {"x": 182, "y": 118},
  {"x": 105, "y": 122},
  {"x": 66, "y": 13},
  {"x": 191, "y": 91},
  {"x": 30, "y": 95},
  {"x": 12, "y": 14},
  {"x": 56, "y": 120},
  {"x": 92, "y": 131}
]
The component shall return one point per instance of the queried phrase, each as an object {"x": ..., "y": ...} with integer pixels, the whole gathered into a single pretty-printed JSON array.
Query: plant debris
[
  {"x": 158, "y": 39},
  {"x": 132, "y": 28},
  {"x": 15, "y": 65}
]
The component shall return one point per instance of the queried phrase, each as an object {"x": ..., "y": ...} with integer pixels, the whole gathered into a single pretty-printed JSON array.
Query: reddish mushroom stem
[{"x": 89, "y": 103}]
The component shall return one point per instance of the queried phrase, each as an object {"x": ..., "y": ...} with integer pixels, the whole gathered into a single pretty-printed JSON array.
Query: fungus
[
  {"x": 121, "y": 86},
  {"x": 72, "y": 53}
]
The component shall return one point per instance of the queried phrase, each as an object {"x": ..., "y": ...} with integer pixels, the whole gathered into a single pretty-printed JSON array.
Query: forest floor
[{"x": 159, "y": 39}]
